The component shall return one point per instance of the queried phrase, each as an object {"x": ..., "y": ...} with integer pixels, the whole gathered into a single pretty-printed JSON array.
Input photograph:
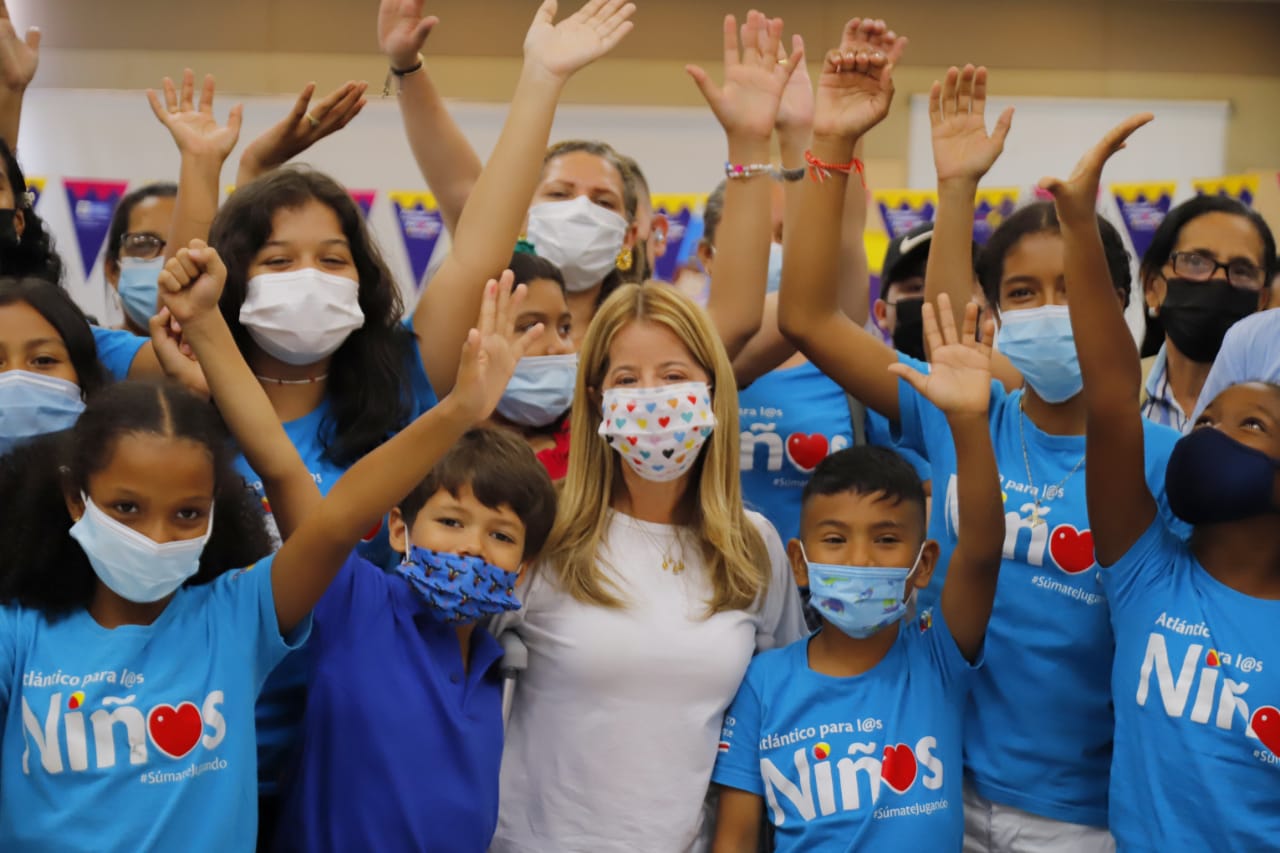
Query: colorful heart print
[{"x": 672, "y": 441}]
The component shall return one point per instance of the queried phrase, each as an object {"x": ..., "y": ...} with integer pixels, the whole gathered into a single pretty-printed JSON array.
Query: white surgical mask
[
  {"x": 32, "y": 404},
  {"x": 580, "y": 237},
  {"x": 301, "y": 316},
  {"x": 540, "y": 390},
  {"x": 658, "y": 431},
  {"x": 132, "y": 565}
]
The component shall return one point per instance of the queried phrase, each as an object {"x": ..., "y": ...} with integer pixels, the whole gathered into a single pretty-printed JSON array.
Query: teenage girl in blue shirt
[{"x": 1195, "y": 683}]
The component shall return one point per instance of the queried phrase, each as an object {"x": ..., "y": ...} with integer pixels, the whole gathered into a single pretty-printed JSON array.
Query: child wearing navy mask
[
  {"x": 870, "y": 694},
  {"x": 1195, "y": 680}
]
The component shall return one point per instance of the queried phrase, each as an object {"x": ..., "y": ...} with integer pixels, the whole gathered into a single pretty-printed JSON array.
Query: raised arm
[
  {"x": 19, "y": 57},
  {"x": 310, "y": 558},
  {"x": 746, "y": 107},
  {"x": 190, "y": 285},
  {"x": 959, "y": 384},
  {"x": 445, "y": 158},
  {"x": 854, "y": 93},
  {"x": 1120, "y": 503},
  {"x": 204, "y": 146},
  {"x": 304, "y": 126},
  {"x": 495, "y": 211}
]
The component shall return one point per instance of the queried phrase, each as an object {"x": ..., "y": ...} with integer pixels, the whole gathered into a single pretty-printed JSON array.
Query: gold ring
[
  {"x": 782, "y": 62},
  {"x": 315, "y": 122}
]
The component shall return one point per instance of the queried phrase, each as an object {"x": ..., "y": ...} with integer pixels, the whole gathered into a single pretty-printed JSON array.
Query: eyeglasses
[
  {"x": 141, "y": 245},
  {"x": 1200, "y": 267}
]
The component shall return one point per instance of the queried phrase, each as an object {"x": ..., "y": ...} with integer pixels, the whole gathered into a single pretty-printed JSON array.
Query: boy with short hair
[
  {"x": 853, "y": 737},
  {"x": 402, "y": 734}
]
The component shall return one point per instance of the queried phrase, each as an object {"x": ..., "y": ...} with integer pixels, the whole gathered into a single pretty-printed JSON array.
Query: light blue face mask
[
  {"x": 540, "y": 390},
  {"x": 139, "y": 288},
  {"x": 861, "y": 600},
  {"x": 131, "y": 564},
  {"x": 32, "y": 405},
  {"x": 775, "y": 268},
  {"x": 1040, "y": 343}
]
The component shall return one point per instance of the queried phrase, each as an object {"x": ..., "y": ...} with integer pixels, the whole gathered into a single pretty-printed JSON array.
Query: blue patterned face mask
[
  {"x": 861, "y": 600},
  {"x": 459, "y": 588}
]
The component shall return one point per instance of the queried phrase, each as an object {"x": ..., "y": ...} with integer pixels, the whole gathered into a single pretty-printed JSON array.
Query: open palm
[
  {"x": 492, "y": 350},
  {"x": 959, "y": 377},
  {"x": 1077, "y": 197},
  {"x": 754, "y": 79},
  {"x": 580, "y": 39},
  {"x": 855, "y": 88},
  {"x": 195, "y": 129},
  {"x": 402, "y": 30},
  {"x": 19, "y": 57},
  {"x": 962, "y": 148}
]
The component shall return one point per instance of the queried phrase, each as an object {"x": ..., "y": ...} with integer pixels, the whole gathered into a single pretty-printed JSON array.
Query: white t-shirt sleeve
[{"x": 781, "y": 615}]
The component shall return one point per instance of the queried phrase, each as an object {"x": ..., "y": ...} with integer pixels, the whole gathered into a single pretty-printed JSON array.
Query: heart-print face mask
[{"x": 658, "y": 431}]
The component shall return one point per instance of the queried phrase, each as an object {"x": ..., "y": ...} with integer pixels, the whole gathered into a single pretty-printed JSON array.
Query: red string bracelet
[{"x": 820, "y": 171}]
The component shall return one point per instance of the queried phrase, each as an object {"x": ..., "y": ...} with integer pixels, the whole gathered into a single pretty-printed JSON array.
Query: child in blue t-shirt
[
  {"x": 402, "y": 736},
  {"x": 1196, "y": 678},
  {"x": 852, "y": 738},
  {"x": 130, "y": 653}
]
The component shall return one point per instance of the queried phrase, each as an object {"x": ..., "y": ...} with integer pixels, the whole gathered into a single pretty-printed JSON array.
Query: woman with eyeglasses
[
  {"x": 1208, "y": 267},
  {"x": 135, "y": 251}
]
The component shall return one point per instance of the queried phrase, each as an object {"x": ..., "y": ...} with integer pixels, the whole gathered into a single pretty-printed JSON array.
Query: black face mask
[
  {"x": 9, "y": 237},
  {"x": 1197, "y": 314},
  {"x": 908, "y": 331}
]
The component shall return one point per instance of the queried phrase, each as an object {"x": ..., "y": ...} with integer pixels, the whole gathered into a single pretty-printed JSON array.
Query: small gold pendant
[{"x": 1036, "y": 518}]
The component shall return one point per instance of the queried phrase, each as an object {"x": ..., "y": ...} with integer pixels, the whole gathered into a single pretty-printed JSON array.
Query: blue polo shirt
[
  {"x": 117, "y": 348},
  {"x": 401, "y": 747}
]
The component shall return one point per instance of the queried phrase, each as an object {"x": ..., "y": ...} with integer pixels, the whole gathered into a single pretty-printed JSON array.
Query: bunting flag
[
  {"x": 1143, "y": 207},
  {"x": 420, "y": 226},
  {"x": 991, "y": 207},
  {"x": 682, "y": 234},
  {"x": 1243, "y": 188},
  {"x": 35, "y": 189},
  {"x": 364, "y": 198},
  {"x": 92, "y": 204},
  {"x": 903, "y": 210}
]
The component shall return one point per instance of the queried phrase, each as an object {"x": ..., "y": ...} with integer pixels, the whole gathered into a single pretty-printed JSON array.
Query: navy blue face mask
[{"x": 1212, "y": 478}]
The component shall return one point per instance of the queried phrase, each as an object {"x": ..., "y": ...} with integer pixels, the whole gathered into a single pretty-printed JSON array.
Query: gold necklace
[
  {"x": 1037, "y": 515},
  {"x": 675, "y": 565}
]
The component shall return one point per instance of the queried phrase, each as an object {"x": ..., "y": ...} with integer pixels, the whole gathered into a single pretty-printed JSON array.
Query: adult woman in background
[{"x": 134, "y": 254}]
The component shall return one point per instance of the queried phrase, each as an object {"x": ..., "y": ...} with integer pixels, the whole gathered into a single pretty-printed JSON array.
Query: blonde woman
[{"x": 656, "y": 590}]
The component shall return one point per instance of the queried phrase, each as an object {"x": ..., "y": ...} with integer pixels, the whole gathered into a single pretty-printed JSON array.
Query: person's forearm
[
  {"x": 981, "y": 522},
  {"x": 950, "y": 265},
  {"x": 1108, "y": 356},
  {"x": 445, "y": 158},
  {"x": 855, "y": 275},
  {"x": 11, "y": 117},
  {"x": 197, "y": 202}
]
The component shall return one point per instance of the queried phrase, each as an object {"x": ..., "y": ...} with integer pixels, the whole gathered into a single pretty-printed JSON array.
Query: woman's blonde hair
[{"x": 732, "y": 549}]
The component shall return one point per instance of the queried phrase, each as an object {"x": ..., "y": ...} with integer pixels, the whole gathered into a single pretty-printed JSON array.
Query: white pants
[{"x": 994, "y": 828}]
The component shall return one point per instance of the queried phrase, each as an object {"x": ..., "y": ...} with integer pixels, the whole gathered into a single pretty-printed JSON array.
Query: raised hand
[
  {"x": 795, "y": 111},
  {"x": 18, "y": 56},
  {"x": 492, "y": 349},
  {"x": 175, "y": 355},
  {"x": 402, "y": 31},
  {"x": 754, "y": 77},
  {"x": 562, "y": 49},
  {"x": 1076, "y": 198},
  {"x": 959, "y": 378},
  {"x": 303, "y": 127},
  {"x": 962, "y": 148},
  {"x": 856, "y": 84},
  {"x": 195, "y": 130},
  {"x": 191, "y": 283}
]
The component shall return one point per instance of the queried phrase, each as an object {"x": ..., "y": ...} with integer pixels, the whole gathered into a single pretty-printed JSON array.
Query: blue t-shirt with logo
[
  {"x": 117, "y": 348},
  {"x": 139, "y": 737},
  {"x": 868, "y": 762},
  {"x": 280, "y": 707},
  {"x": 1039, "y": 729},
  {"x": 401, "y": 745},
  {"x": 790, "y": 420},
  {"x": 1196, "y": 685}
]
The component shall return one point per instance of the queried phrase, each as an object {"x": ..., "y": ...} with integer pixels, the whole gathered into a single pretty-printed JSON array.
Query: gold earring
[{"x": 624, "y": 260}]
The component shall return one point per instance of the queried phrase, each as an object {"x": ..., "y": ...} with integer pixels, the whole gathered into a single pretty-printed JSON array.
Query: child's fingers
[
  {"x": 526, "y": 340},
  {"x": 947, "y": 320},
  {"x": 910, "y": 375},
  {"x": 969, "y": 331},
  {"x": 488, "y": 307},
  {"x": 932, "y": 334}
]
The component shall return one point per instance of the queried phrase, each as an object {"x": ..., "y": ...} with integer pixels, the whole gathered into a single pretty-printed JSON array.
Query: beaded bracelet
[
  {"x": 742, "y": 171},
  {"x": 820, "y": 171},
  {"x": 399, "y": 74}
]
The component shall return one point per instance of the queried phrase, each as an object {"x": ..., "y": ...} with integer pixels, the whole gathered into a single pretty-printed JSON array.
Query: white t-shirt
[{"x": 615, "y": 723}]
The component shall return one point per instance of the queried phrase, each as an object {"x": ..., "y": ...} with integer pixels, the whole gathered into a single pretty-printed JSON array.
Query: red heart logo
[
  {"x": 806, "y": 451},
  {"x": 663, "y": 421},
  {"x": 1071, "y": 549},
  {"x": 1266, "y": 725},
  {"x": 175, "y": 731},
  {"x": 898, "y": 770}
]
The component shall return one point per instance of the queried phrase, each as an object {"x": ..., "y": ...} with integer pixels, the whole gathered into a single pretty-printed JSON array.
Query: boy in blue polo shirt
[
  {"x": 402, "y": 734},
  {"x": 853, "y": 737}
]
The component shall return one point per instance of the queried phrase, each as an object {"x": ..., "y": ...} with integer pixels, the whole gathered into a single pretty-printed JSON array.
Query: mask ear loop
[
  {"x": 910, "y": 598},
  {"x": 408, "y": 544}
]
